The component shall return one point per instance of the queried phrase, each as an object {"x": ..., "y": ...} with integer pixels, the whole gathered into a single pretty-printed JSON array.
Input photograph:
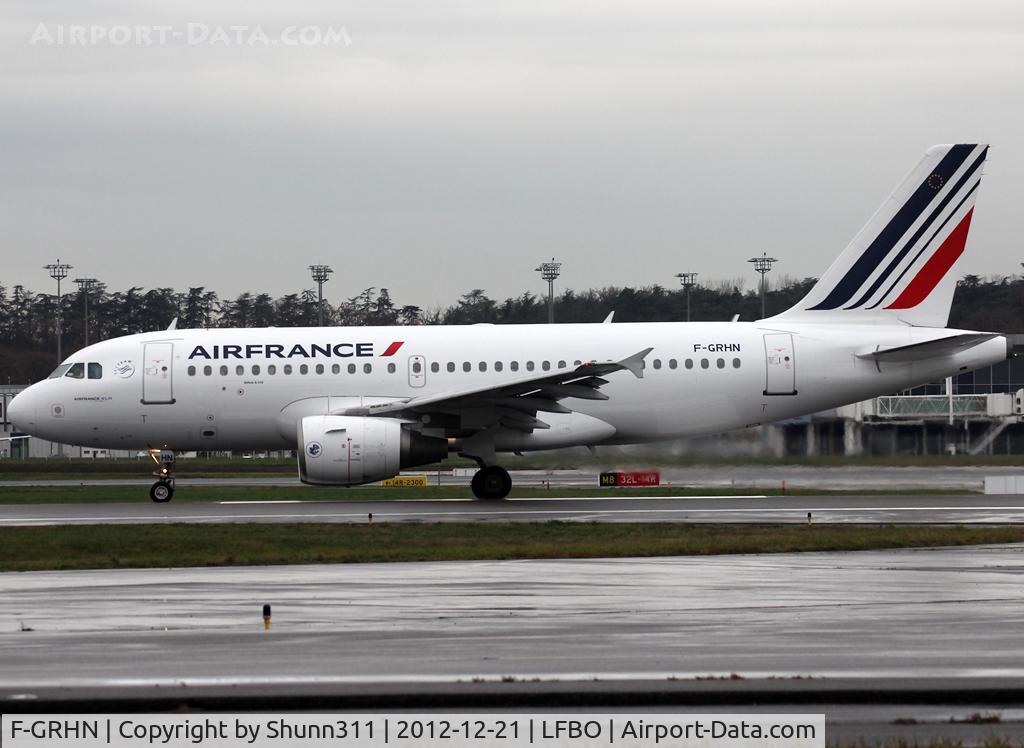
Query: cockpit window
[
  {"x": 95, "y": 370},
  {"x": 77, "y": 371},
  {"x": 59, "y": 371}
]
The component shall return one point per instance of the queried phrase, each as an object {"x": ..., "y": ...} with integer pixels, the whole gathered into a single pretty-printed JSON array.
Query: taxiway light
[
  {"x": 266, "y": 617},
  {"x": 808, "y": 519},
  {"x": 369, "y": 518}
]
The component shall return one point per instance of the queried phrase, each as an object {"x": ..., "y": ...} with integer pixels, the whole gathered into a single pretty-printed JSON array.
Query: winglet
[
  {"x": 173, "y": 325},
  {"x": 608, "y": 319},
  {"x": 635, "y": 363}
]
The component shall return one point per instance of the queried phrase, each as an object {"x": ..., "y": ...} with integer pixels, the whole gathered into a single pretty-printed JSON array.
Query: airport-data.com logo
[{"x": 188, "y": 35}]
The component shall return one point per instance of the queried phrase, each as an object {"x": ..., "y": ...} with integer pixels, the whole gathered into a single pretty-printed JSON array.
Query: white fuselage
[{"x": 214, "y": 390}]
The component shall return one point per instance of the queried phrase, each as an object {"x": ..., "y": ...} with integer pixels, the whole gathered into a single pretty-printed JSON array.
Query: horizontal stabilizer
[{"x": 929, "y": 349}]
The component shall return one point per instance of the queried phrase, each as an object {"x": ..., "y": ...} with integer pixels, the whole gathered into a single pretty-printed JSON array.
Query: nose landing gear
[{"x": 162, "y": 491}]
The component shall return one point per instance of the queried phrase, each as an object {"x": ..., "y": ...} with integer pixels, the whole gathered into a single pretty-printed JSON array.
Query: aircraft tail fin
[{"x": 897, "y": 268}]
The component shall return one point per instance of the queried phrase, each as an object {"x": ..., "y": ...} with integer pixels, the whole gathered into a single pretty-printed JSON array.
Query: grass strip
[
  {"x": 177, "y": 545},
  {"x": 79, "y": 494}
]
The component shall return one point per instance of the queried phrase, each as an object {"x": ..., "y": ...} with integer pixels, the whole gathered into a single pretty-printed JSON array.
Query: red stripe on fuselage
[
  {"x": 936, "y": 268},
  {"x": 393, "y": 348}
]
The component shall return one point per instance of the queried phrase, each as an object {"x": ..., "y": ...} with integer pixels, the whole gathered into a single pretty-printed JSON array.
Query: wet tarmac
[
  {"x": 947, "y": 613},
  {"x": 752, "y": 508},
  {"x": 852, "y": 478}
]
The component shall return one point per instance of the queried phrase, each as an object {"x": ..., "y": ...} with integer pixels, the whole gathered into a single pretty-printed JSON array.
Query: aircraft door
[
  {"x": 780, "y": 362},
  {"x": 417, "y": 371},
  {"x": 157, "y": 370}
]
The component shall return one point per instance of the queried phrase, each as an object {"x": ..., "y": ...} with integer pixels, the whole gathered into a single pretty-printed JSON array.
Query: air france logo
[
  {"x": 124, "y": 369},
  {"x": 313, "y": 449},
  {"x": 298, "y": 350}
]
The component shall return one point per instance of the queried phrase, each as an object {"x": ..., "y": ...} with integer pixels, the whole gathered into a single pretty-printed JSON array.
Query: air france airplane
[{"x": 359, "y": 404}]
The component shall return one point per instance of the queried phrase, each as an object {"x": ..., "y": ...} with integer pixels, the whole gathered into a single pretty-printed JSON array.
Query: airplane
[{"x": 359, "y": 404}]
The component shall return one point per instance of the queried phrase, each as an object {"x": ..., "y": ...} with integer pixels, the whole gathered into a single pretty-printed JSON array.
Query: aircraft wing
[
  {"x": 929, "y": 349},
  {"x": 514, "y": 403}
]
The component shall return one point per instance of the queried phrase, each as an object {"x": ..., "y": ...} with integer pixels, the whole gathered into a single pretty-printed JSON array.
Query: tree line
[{"x": 28, "y": 320}]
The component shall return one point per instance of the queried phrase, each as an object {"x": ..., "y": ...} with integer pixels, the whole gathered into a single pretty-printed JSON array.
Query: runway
[
  {"x": 808, "y": 477},
  {"x": 946, "y": 614},
  {"x": 752, "y": 508}
]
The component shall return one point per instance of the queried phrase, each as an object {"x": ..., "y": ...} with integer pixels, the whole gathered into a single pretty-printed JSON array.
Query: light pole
[
  {"x": 58, "y": 271},
  {"x": 762, "y": 265},
  {"x": 85, "y": 287},
  {"x": 320, "y": 275},
  {"x": 549, "y": 271},
  {"x": 687, "y": 281}
]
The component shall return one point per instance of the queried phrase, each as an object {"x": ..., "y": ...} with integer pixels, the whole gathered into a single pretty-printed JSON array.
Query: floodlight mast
[
  {"x": 59, "y": 271},
  {"x": 549, "y": 271},
  {"x": 763, "y": 265},
  {"x": 85, "y": 287},
  {"x": 687, "y": 281},
  {"x": 321, "y": 274}
]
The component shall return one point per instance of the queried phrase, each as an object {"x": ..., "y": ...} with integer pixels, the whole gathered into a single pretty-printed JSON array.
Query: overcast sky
[{"x": 440, "y": 147}]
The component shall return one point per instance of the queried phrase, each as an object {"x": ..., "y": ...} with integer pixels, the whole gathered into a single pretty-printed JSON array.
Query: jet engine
[{"x": 349, "y": 450}]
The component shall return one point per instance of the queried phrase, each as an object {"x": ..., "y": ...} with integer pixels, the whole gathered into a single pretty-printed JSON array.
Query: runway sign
[
  {"x": 405, "y": 481},
  {"x": 630, "y": 478}
]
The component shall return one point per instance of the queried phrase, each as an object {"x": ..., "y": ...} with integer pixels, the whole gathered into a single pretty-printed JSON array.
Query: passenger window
[
  {"x": 287, "y": 369},
  {"x": 577, "y": 363},
  {"x": 319, "y": 368},
  {"x": 77, "y": 371},
  {"x": 561, "y": 364},
  {"x": 255, "y": 369},
  {"x": 735, "y": 363},
  {"x": 704, "y": 363},
  {"x": 657, "y": 363},
  {"x": 351, "y": 368},
  {"x": 271, "y": 369},
  {"x": 689, "y": 363},
  {"x": 529, "y": 365},
  {"x": 466, "y": 366},
  {"x": 335, "y": 368},
  {"x": 417, "y": 367},
  {"x": 720, "y": 363},
  {"x": 672, "y": 363},
  {"x": 391, "y": 368},
  {"x": 191, "y": 371},
  {"x": 95, "y": 371},
  {"x": 367, "y": 368},
  {"x": 207, "y": 371},
  {"x": 514, "y": 366},
  {"x": 435, "y": 367},
  {"x": 498, "y": 366},
  {"x": 546, "y": 365},
  {"x": 451, "y": 366},
  {"x": 303, "y": 369},
  {"x": 239, "y": 370},
  {"x": 223, "y": 371},
  {"x": 483, "y": 366}
]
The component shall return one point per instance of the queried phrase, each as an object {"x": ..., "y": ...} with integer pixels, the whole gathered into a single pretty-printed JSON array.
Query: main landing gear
[
  {"x": 162, "y": 491},
  {"x": 491, "y": 482}
]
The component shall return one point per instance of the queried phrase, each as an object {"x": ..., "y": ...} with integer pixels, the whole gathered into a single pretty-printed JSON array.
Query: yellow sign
[{"x": 405, "y": 481}]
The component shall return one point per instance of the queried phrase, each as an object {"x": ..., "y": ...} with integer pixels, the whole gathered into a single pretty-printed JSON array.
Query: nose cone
[{"x": 20, "y": 413}]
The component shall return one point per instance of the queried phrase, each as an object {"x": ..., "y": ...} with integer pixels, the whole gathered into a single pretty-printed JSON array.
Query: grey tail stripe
[
  {"x": 897, "y": 227},
  {"x": 919, "y": 233}
]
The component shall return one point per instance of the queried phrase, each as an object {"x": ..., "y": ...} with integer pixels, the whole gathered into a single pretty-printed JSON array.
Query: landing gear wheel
[
  {"x": 161, "y": 491},
  {"x": 491, "y": 482}
]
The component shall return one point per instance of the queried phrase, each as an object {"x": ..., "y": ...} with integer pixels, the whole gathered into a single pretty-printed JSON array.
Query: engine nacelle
[{"x": 349, "y": 450}]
